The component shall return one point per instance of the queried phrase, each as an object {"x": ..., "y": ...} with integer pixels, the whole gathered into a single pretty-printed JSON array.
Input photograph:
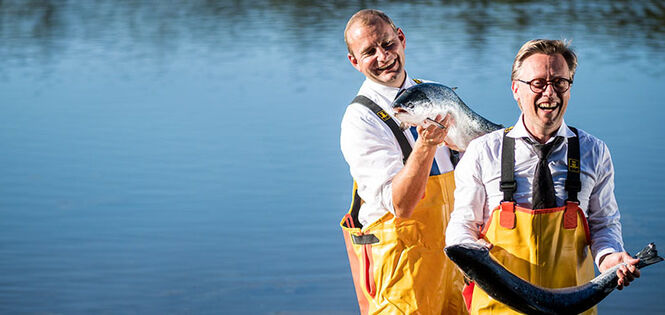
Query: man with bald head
[{"x": 404, "y": 178}]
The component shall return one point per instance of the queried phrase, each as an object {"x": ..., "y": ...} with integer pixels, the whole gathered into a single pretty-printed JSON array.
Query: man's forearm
[{"x": 410, "y": 183}]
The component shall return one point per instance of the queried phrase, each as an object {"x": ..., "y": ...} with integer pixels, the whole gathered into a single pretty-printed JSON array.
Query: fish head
[
  {"x": 467, "y": 256},
  {"x": 421, "y": 103},
  {"x": 414, "y": 106}
]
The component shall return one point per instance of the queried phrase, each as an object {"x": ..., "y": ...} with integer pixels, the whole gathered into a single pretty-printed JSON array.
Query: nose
[
  {"x": 382, "y": 54},
  {"x": 549, "y": 88}
]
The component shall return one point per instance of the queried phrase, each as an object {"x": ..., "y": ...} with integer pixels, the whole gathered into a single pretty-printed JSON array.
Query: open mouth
[
  {"x": 400, "y": 110},
  {"x": 388, "y": 66},
  {"x": 548, "y": 106}
]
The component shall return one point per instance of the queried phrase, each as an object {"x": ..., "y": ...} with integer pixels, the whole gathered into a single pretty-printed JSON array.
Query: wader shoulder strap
[
  {"x": 573, "y": 183},
  {"x": 508, "y": 185},
  {"x": 397, "y": 131},
  {"x": 401, "y": 139},
  {"x": 454, "y": 157}
]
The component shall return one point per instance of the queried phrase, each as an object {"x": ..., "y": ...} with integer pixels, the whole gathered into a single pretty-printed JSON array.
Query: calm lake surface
[{"x": 170, "y": 157}]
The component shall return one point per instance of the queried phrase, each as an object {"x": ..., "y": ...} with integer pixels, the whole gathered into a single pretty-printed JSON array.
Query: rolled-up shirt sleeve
[
  {"x": 373, "y": 155},
  {"x": 470, "y": 199},
  {"x": 603, "y": 211}
]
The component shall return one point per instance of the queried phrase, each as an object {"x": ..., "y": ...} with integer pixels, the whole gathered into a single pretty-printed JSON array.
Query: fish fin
[{"x": 648, "y": 256}]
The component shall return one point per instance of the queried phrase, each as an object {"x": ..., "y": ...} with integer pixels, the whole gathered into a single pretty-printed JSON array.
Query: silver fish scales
[{"x": 423, "y": 102}]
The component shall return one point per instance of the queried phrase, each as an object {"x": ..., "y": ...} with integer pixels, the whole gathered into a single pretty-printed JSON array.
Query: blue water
[{"x": 173, "y": 157}]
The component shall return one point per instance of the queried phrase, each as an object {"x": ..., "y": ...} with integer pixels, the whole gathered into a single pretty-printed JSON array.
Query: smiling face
[
  {"x": 543, "y": 112},
  {"x": 377, "y": 50}
]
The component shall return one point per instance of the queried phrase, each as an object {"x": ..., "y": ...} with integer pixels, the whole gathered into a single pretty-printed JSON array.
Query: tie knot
[{"x": 544, "y": 150}]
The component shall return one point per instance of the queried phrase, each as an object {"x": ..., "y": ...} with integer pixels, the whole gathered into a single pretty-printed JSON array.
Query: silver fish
[
  {"x": 423, "y": 102},
  {"x": 522, "y": 296}
]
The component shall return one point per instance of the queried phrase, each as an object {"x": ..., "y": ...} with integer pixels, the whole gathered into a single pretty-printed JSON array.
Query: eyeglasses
[{"x": 560, "y": 85}]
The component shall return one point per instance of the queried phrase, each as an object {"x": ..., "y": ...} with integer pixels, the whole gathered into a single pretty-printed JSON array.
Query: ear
[
  {"x": 402, "y": 37},
  {"x": 354, "y": 61},
  {"x": 513, "y": 87}
]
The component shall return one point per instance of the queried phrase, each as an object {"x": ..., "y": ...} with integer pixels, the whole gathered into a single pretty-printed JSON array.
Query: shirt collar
[
  {"x": 389, "y": 91},
  {"x": 519, "y": 131}
]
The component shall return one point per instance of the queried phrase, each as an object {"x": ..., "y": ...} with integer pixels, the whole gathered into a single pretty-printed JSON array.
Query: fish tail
[{"x": 648, "y": 256}]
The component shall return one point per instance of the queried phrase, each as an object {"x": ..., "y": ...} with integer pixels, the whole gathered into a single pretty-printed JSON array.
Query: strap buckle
[{"x": 508, "y": 186}]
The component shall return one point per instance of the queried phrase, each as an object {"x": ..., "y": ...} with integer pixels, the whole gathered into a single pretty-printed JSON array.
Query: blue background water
[{"x": 183, "y": 156}]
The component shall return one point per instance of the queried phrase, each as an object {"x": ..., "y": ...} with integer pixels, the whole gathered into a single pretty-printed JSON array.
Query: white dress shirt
[
  {"x": 478, "y": 174},
  {"x": 373, "y": 153}
]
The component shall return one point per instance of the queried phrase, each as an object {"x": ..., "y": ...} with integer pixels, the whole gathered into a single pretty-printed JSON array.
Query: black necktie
[{"x": 543, "y": 186}]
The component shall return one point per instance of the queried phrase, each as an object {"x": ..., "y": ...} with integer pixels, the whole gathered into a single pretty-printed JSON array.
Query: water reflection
[{"x": 41, "y": 30}]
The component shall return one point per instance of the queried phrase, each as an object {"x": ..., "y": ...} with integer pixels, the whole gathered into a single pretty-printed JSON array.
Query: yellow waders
[
  {"x": 398, "y": 265},
  {"x": 547, "y": 247},
  {"x": 538, "y": 248},
  {"x": 401, "y": 268}
]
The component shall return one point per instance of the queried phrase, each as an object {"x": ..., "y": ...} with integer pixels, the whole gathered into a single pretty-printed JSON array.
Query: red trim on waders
[
  {"x": 570, "y": 215},
  {"x": 467, "y": 293},
  {"x": 507, "y": 214},
  {"x": 355, "y": 264}
]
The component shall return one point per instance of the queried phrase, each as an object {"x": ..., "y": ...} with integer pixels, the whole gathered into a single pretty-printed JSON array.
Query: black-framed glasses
[{"x": 560, "y": 85}]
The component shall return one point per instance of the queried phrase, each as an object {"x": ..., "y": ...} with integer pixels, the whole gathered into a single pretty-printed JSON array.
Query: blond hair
[
  {"x": 367, "y": 17},
  {"x": 547, "y": 47}
]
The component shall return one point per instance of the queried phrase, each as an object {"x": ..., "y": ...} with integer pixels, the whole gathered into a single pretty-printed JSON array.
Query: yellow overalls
[
  {"x": 398, "y": 265},
  {"x": 547, "y": 247}
]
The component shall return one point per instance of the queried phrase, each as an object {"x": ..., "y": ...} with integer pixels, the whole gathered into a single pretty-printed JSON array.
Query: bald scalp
[{"x": 366, "y": 17}]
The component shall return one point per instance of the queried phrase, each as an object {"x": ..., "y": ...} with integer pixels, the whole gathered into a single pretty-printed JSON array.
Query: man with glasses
[{"x": 540, "y": 194}]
